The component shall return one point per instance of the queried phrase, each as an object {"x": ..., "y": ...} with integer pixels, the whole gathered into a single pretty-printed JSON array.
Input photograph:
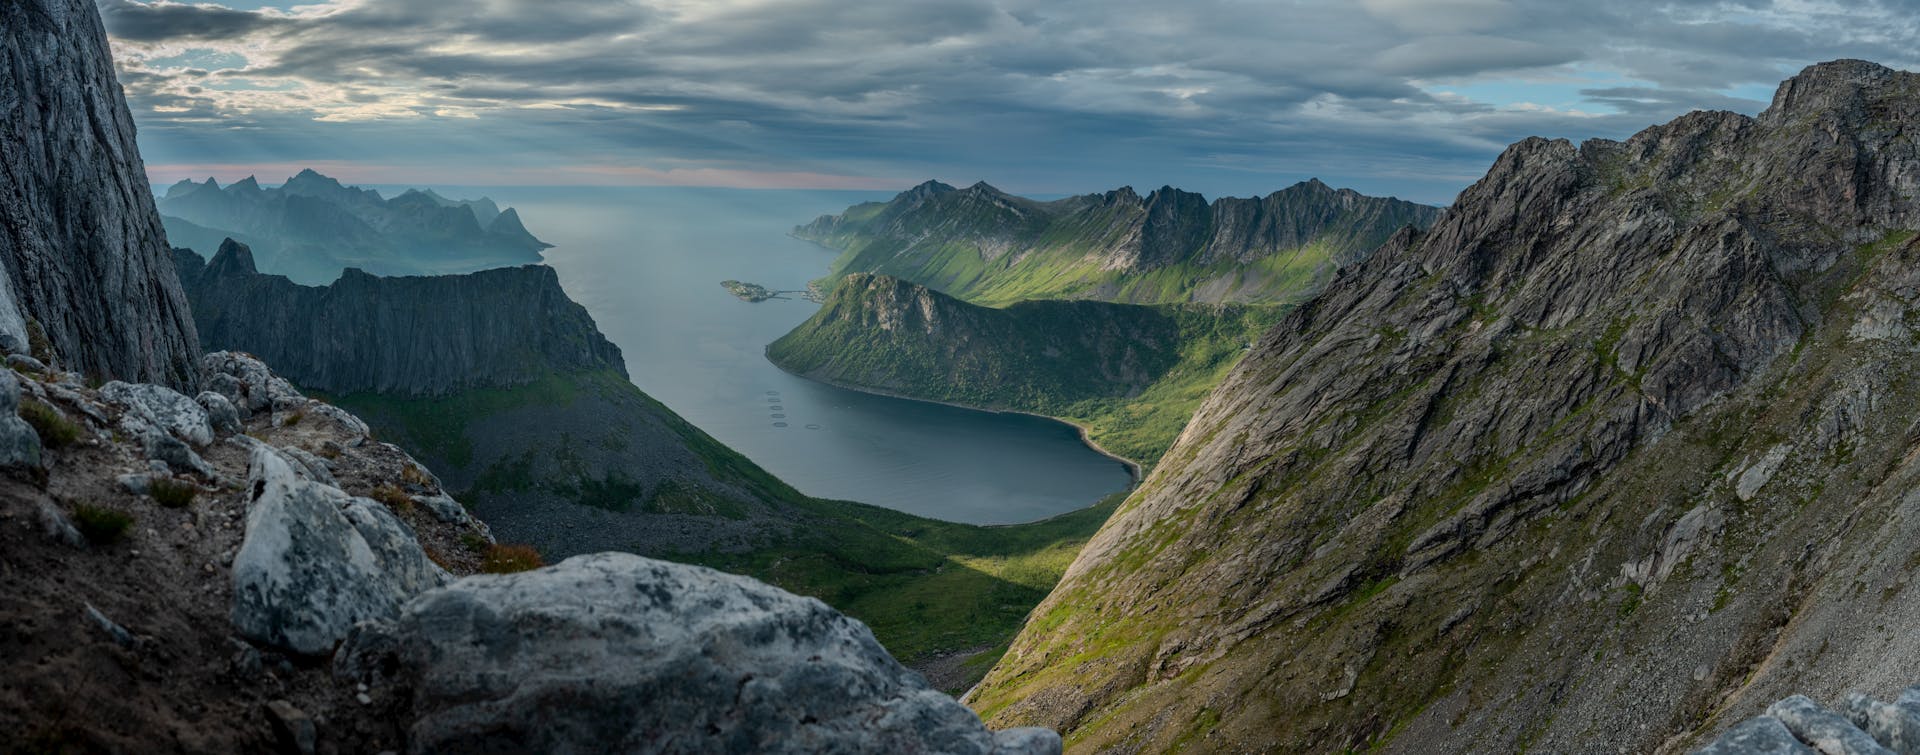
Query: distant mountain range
[
  {"x": 312, "y": 227},
  {"x": 1171, "y": 246}
]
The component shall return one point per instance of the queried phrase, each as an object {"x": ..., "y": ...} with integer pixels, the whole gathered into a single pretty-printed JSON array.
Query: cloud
[{"x": 1068, "y": 95}]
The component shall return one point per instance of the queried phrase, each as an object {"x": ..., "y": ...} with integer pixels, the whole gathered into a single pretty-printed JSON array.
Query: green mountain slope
[
  {"x": 989, "y": 247},
  {"x": 1619, "y": 452},
  {"x": 1130, "y": 374}
]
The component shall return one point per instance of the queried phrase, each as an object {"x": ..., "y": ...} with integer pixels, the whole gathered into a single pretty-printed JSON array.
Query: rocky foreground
[
  {"x": 1798, "y": 725},
  {"x": 248, "y": 570}
]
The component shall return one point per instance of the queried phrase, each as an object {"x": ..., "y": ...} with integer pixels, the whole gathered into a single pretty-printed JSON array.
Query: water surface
[{"x": 647, "y": 263}]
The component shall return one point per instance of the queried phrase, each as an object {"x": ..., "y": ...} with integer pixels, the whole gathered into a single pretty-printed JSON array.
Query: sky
[{"x": 1410, "y": 98}]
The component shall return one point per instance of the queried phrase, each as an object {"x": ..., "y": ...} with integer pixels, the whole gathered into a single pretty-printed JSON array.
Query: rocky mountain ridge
[
  {"x": 1614, "y": 455},
  {"x": 1171, "y": 246},
  {"x": 86, "y": 262},
  {"x": 404, "y": 336},
  {"x": 312, "y": 227}
]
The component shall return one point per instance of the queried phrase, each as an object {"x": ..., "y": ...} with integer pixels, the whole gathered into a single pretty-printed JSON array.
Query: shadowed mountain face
[
  {"x": 312, "y": 227},
  {"x": 82, "y": 248},
  {"x": 1614, "y": 455},
  {"x": 411, "y": 336},
  {"x": 1170, "y": 246}
]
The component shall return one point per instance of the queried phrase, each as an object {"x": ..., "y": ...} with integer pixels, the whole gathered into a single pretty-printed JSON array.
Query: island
[{"x": 754, "y": 292}]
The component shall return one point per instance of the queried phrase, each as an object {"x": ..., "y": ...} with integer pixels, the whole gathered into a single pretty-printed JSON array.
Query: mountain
[
  {"x": 248, "y": 570},
  {"x": 411, "y": 336},
  {"x": 508, "y": 391},
  {"x": 1131, "y": 374},
  {"x": 312, "y": 227},
  {"x": 990, "y": 247},
  {"x": 86, "y": 262},
  {"x": 1617, "y": 453}
]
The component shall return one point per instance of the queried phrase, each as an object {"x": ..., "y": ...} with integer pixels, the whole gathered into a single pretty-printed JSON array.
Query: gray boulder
[
  {"x": 248, "y": 383},
  {"x": 1763, "y": 735},
  {"x": 1892, "y": 724},
  {"x": 162, "y": 408},
  {"x": 1825, "y": 730},
  {"x": 176, "y": 455},
  {"x": 314, "y": 562},
  {"x": 444, "y": 508},
  {"x": 613, "y": 652},
  {"x": 19, "y": 444},
  {"x": 221, "y": 413},
  {"x": 318, "y": 470},
  {"x": 27, "y": 363}
]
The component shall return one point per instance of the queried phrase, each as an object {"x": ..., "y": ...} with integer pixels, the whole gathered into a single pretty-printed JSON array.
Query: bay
[{"x": 647, "y": 263}]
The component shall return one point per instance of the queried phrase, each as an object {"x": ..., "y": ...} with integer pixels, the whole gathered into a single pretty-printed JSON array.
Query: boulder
[
  {"x": 163, "y": 408},
  {"x": 1825, "y": 730},
  {"x": 176, "y": 455},
  {"x": 444, "y": 508},
  {"x": 221, "y": 413},
  {"x": 613, "y": 652},
  {"x": 19, "y": 444},
  {"x": 26, "y": 363},
  {"x": 1891, "y": 724},
  {"x": 248, "y": 383},
  {"x": 314, "y": 562},
  {"x": 318, "y": 470},
  {"x": 1763, "y": 735}
]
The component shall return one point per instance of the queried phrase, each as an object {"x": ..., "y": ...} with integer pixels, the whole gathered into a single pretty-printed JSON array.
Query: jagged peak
[
  {"x": 1836, "y": 85},
  {"x": 250, "y": 184},
  {"x": 924, "y": 190},
  {"x": 233, "y": 258},
  {"x": 982, "y": 187}
]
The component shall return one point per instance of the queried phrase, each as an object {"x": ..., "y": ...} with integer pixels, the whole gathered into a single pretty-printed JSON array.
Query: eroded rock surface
[{"x": 617, "y": 653}]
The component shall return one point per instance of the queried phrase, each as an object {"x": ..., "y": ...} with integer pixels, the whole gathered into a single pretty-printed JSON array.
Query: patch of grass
[
  {"x": 54, "y": 429},
  {"x": 38, "y": 346},
  {"x": 101, "y": 525},
  {"x": 294, "y": 418},
  {"x": 474, "y": 542},
  {"x": 508, "y": 559},
  {"x": 394, "y": 498},
  {"x": 173, "y": 494}
]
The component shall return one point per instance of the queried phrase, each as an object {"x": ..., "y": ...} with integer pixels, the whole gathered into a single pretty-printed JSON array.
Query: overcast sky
[{"x": 1405, "y": 97}]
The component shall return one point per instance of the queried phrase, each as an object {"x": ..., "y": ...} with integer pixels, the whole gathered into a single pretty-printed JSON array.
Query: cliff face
[
  {"x": 82, "y": 247},
  {"x": 1170, "y": 246},
  {"x": 1613, "y": 456},
  {"x": 414, "y": 336}
]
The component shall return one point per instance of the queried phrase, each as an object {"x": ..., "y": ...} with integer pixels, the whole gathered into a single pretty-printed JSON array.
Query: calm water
[{"x": 648, "y": 264}]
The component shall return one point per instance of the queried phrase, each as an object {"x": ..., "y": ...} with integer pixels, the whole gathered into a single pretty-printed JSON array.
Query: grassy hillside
[
  {"x": 924, "y": 586},
  {"x": 1130, "y": 374}
]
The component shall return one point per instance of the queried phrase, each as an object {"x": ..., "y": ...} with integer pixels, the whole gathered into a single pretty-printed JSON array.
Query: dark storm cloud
[{"x": 1211, "y": 93}]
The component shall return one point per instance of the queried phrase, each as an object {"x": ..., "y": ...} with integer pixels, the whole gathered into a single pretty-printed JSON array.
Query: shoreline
[{"x": 1134, "y": 471}]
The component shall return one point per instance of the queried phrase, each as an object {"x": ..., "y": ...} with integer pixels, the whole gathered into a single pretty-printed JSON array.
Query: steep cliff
[
  {"x": 312, "y": 227},
  {"x": 1132, "y": 374},
  {"x": 409, "y": 336},
  {"x": 82, "y": 247},
  {"x": 1615, "y": 455},
  {"x": 1170, "y": 246}
]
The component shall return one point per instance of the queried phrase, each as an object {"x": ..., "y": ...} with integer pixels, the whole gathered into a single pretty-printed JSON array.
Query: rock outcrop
[
  {"x": 311, "y": 228},
  {"x": 412, "y": 336},
  {"x": 1799, "y": 725},
  {"x": 1494, "y": 489},
  {"x": 81, "y": 247},
  {"x": 314, "y": 561},
  {"x": 1171, "y": 246},
  {"x": 618, "y": 653}
]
